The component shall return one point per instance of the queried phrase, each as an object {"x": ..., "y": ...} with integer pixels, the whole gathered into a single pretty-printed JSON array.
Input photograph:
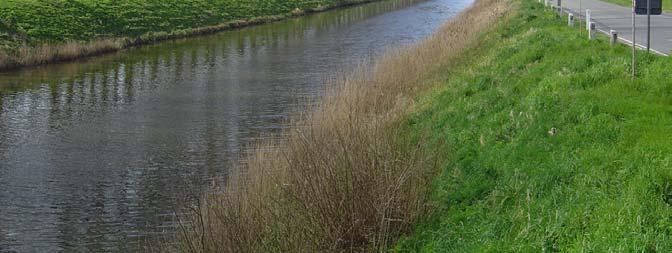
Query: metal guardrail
[{"x": 602, "y": 27}]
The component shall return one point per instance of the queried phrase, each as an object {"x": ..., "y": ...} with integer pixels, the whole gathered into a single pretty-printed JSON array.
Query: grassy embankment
[
  {"x": 36, "y": 32},
  {"x": 347, "y": 178},
  {"x": 552, "y": 146},
  {"x": 667, "y": 4},
  {"x": 540, "y": 139}
]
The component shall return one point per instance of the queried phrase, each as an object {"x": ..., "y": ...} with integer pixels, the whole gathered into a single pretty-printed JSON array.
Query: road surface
[{"x": 610, "y": 16}]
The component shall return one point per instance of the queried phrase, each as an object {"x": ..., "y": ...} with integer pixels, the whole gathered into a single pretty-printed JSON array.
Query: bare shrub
[{"x": 346, "y": 178}]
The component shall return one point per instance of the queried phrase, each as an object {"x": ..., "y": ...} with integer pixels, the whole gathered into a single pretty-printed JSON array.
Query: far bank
[{"x": 35, "y": 33}]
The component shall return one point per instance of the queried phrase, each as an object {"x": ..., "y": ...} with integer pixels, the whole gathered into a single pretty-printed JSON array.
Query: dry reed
[
  {"x": 31, "y": 56},
  {"x": 346, "y": 179}
]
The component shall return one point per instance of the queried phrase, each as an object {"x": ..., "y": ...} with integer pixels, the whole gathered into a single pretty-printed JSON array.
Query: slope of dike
[
  {"x": 346, "y": 175},
  {"x": 551, "y": 146},
  {"x": 40, "y": 32}
]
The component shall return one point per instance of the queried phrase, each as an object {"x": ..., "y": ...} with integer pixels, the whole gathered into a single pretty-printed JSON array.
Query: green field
[
  {"x": 33, "y": 22},
  {"x": 552, "y": 147},
  {"x": 667, "y": 4}
]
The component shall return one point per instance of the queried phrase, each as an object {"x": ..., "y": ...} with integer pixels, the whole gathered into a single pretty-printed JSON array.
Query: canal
[{"x": 95, "y": 155}]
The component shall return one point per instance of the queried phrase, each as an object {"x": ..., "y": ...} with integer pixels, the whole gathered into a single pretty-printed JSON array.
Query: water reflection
[{"x": 95, "y": 153}]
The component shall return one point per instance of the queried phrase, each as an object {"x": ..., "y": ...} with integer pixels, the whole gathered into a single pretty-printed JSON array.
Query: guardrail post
[
  {"x": 560, "y": 7},
  {"x": 570, "y": 20},
  {"x": 588, "y": 19},
  {"x": 591, "y": 34},
  {"x": 614, "y": 37}
]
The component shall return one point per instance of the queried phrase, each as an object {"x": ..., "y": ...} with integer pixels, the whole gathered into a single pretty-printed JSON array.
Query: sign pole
[
  {"x": 580, "y": 11},
  {"x": 634, "y": 39},
  {"x": 648, "y": 26}
]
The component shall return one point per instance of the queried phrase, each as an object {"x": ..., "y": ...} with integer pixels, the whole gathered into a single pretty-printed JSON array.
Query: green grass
[
  {"x": 667, "y": 4},
  {"x": 33, "y": 22},
  {"x": 603, "y": 183}
]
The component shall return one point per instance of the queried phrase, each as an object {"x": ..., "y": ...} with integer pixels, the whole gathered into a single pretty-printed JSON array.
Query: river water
[{"x": 96, "y": 154}]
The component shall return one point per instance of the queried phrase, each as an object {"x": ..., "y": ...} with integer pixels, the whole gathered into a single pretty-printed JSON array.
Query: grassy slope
[
  {"x": 35, "y": 32},
  {"x": 34, "y": 22},
  {"x": 603, "y": 183},
  {"x": 667, "y": 4}
]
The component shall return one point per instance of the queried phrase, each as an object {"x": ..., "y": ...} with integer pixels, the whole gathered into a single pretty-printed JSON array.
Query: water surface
[{"x": 95, "y": 154}]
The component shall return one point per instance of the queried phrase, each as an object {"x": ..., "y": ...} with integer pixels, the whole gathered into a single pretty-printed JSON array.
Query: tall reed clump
[
  {"x": 346, "y": 177},
  {"x": 48, "y": 53}
]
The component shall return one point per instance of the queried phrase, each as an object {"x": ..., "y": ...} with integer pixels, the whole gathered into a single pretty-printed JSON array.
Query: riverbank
[
  {"x": 540, "y": 140},
  {"x": 347, "y": 178},
  {"x": 35, "y": 33},
  {"x": 552, "y": 146}
]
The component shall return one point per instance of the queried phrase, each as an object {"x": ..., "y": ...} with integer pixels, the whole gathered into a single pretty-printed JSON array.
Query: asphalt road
[{"x": 614, "y": 17}]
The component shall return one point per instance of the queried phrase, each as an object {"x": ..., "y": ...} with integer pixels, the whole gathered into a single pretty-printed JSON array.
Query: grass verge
[
  {"x": 552, "y": 146},
  {"x": 347, "y": 178}
]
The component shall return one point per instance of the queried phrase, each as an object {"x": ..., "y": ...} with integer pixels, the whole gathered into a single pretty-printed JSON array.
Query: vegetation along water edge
[
  {"x": 41, "y": 32},
  {"x": 507, "y": 131},
  {"x": 348, "y": 177}
]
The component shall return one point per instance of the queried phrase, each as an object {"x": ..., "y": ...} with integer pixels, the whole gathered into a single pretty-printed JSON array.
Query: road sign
[
  {"x": 641, "y": 7},
  {"x": 648, "y": 8}
]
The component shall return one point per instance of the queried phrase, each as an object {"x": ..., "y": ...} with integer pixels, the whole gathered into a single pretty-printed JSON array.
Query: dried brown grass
[
  {"x": 47, "y": 53},
  {"x": 346, "y": 178}
]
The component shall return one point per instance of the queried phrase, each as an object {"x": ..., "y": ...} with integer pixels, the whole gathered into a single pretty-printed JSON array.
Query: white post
[
  {"x": 546, "y": 3},
  {"x": 591, "y": 34},
  {"x": 614, "y": 37},
  {"x": 570, "y": 20},
  {"x": 588, "y": 19}
]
